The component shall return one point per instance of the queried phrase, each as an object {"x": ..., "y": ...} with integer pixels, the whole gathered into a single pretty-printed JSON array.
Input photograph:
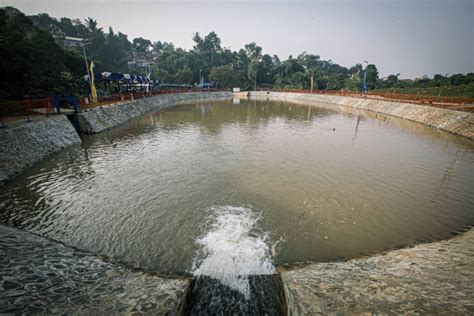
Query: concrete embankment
[
  {"x": 103, "y": 118},
  {"x": 456, "y": 122},
  {"x": 38, "y": 276},
  {"x": 434, "y": 278},
  {"x": 25, "y": 144}
]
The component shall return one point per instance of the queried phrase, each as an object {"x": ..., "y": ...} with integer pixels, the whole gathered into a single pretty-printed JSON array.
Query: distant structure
[{"x": 71, "y": 42}]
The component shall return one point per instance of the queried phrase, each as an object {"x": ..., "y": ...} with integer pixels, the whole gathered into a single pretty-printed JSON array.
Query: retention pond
[{"x": 231, "y": 189}]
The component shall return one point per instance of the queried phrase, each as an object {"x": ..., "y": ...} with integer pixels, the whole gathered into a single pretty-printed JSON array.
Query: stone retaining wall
[
  {"x": 27, "y": 143},
  {"x": 103, "y": 118},
  {"x": 23, "y": 145},
  {"x": 456, "y": 122}
]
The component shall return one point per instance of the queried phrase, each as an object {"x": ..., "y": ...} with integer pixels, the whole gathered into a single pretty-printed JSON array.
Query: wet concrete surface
[
  {"x": 39, "y": 276},
  {"x": 434, "y": 278},
  {"x": 210, "y": 297}
]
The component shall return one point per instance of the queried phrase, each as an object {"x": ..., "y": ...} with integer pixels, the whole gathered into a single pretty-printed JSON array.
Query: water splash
[{"x": 233, "y": 248}]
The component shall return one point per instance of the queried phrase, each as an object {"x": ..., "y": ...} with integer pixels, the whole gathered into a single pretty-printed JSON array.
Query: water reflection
[
  {"x": 356, "y": 129},
  {"x": 329, "y": 182}
]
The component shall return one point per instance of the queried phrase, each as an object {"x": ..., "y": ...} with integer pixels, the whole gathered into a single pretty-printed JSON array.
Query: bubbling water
[{"x": 233, "y": 248}]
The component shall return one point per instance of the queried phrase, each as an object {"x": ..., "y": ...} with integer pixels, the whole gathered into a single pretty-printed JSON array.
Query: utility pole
[
  {"x": 200, "y": 78},
  {"x": 89, "y": 79},
  {"x": 364, "y": 88},
  {"x": 312, "y": 81},
  {"x": 255, "y": 82}
]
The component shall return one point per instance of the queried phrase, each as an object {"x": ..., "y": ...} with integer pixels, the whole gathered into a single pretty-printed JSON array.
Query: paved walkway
[
  {"x": 41, "y": 276},
  {"x": 434, "y": 278}
]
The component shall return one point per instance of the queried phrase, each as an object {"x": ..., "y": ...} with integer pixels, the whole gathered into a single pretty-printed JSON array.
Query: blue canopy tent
[
  {"x": 135, "y": 83},
  {"x": 206, "y": 85},
  {"x": 112, "y": 76}
]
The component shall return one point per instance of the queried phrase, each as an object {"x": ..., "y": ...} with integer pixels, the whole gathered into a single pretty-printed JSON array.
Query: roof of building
[{"x": 75, "y": 39}]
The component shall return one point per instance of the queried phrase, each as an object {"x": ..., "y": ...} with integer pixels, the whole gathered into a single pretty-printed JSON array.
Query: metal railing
[
  {"x": 130, "y": 96},
  {"x": 29, "y": 108},
  {"x": 456, "y": 103},
  {"x": 126, "y": 96},
  {"x": 25, "y": 109}
]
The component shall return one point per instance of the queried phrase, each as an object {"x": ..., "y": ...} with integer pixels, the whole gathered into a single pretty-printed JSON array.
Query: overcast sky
[{"x": 411, "y": 37}]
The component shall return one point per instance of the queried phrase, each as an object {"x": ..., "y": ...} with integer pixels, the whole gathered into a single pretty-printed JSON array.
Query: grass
[{"x": 463, "y": 91}]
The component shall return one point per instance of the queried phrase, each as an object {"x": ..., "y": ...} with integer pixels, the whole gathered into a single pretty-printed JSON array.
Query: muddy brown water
[{"x": 243, "y": 186}]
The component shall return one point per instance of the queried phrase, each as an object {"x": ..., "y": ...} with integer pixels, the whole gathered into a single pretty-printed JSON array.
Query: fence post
[
  {"x": 75, "y": 105},
  {"x": 25, "y": 108},
  {"x": 57, "y": 105}
]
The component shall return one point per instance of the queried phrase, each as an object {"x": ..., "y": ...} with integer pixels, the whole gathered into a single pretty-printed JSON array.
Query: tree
[
  {"x": 92, "y": 25},
  {"x": 32, "y": 53},
  {"x": 209, "y": 50},
  {"x": 32, "y": 59},
  {"x": 223, "y": 76},
  {"x": 253, "y": 51},
  {"x": 184, "y": 75},
  {"x": 297, "y": 80},
  {"x": 372, "y": 77},
  {"x": 140, "y": 44},
  {"x": 353, "y": 83},
  {"x": 266, "y": 69}
]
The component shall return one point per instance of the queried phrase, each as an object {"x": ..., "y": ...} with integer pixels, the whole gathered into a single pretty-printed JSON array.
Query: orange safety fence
[
  {"x": 128, "y": 96},
  {"x": 457, "y": 103},
  {"x": 14, "y": 110}
]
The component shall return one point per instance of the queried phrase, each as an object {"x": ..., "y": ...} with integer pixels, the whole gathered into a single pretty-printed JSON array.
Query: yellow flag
[{"x": 93, "y": 90}]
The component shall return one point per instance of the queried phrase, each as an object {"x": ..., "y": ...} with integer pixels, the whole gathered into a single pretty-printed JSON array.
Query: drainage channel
[{"x": 209, "y": 296}]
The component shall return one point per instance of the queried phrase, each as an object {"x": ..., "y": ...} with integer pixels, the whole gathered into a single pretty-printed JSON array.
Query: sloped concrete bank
[
  {"x": 434, "y": 278},
  {"x": 456, "y": 122},
  {"x": 103, "y": 118},
  {"x": 39, "y": 276},
  {"x": 24, "y": 145},
  {"x": 27, "y": 143}
]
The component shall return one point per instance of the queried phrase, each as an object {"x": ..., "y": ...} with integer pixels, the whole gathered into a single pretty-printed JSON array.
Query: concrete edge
[
  {"x": 68, "y": 280},
  {"x": 452, "y": 121},
  {"x": 434, "y": 277},
  {"x": 28, "y": 143},
  {"x": 104, "y": 118}
]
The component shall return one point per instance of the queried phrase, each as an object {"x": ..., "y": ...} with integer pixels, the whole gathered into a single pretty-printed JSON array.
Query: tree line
[{"x": 37, "y": 63}]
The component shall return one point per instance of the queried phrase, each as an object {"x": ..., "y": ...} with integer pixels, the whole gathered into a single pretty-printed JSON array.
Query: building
[{"x": 70, "y": 42}]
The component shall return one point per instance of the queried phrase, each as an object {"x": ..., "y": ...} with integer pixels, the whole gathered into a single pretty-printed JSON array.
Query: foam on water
[{"x": 233, "y": 248}]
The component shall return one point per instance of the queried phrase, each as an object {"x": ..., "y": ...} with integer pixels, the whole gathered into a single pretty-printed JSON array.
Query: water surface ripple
[{"x": 325, "y": 185}]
